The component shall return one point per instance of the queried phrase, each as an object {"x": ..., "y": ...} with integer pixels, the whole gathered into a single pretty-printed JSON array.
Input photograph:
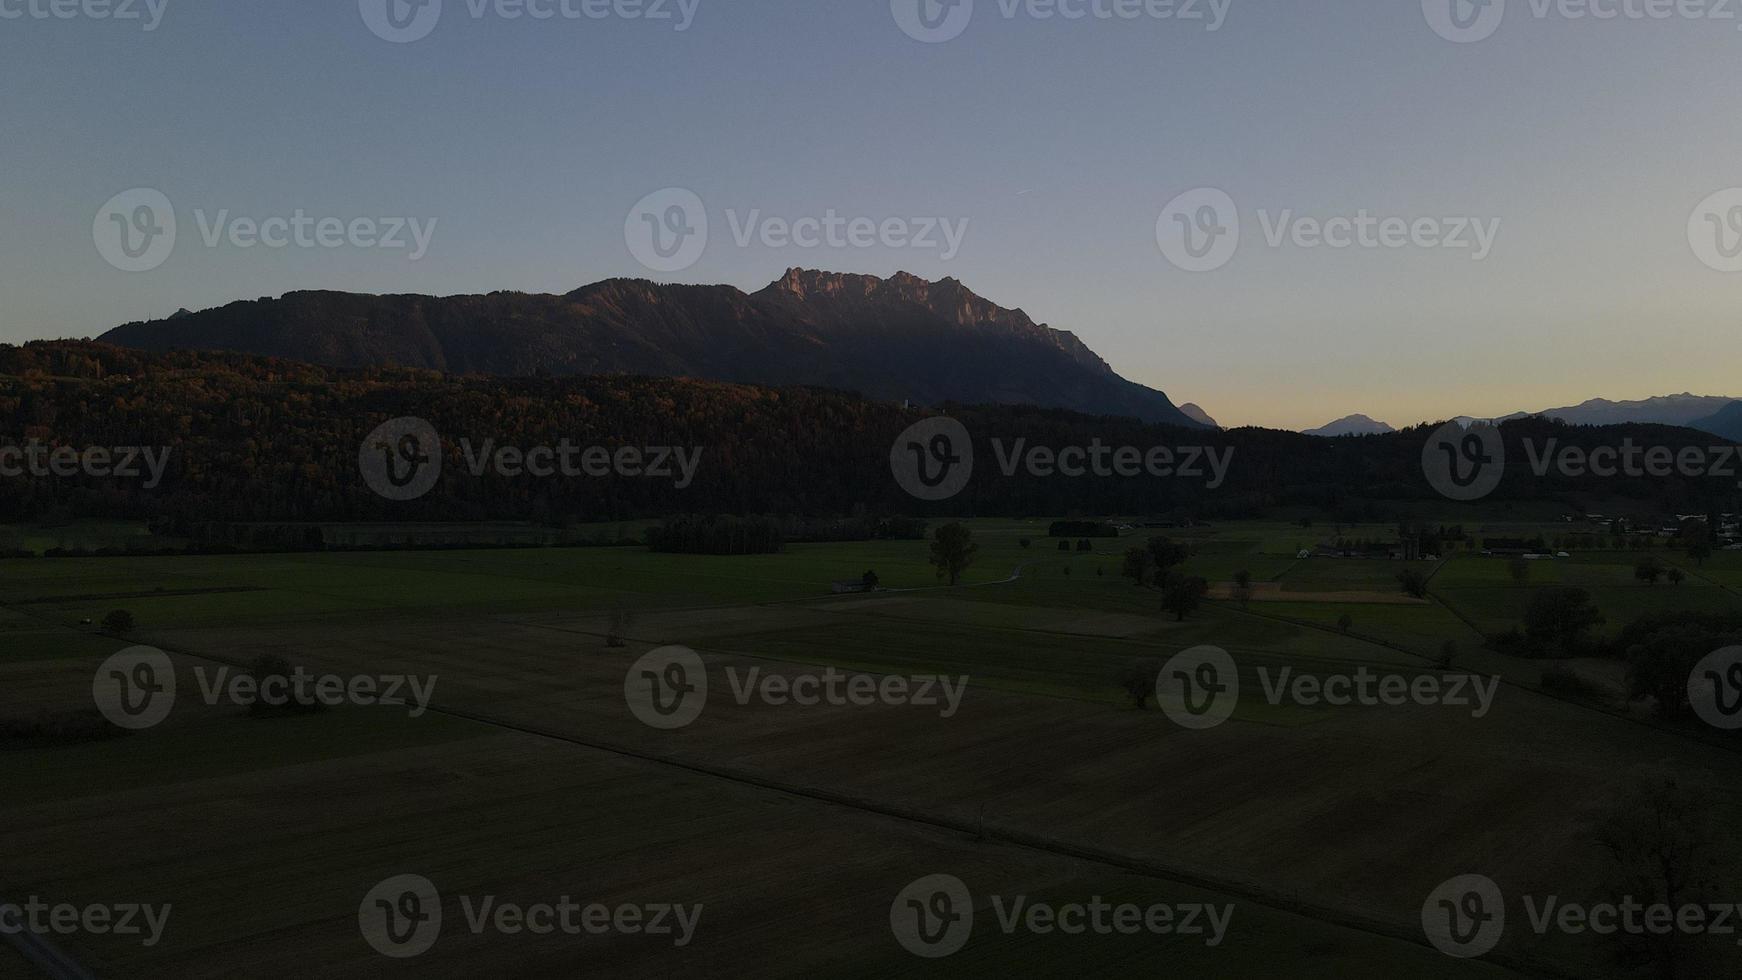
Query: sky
[{"x": 1081, "y": 164}]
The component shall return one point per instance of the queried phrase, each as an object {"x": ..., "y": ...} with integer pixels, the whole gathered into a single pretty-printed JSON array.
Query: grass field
[{"x": 1325, "y": 826}]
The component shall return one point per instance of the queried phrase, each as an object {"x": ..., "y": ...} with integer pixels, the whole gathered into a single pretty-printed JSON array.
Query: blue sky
[{"x": 1592, "y": 142}]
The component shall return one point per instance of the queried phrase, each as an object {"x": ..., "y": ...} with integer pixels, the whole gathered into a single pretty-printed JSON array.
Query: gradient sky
[{"x": 1059, "y": 141}]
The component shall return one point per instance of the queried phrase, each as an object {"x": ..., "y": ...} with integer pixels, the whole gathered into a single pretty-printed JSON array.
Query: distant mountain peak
[
  {"x": 1192, "y": 411},
  {"x": 1351, "y": 425}
]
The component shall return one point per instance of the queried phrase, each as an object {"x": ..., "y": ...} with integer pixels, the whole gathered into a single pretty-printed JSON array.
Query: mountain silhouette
[
  {"x": 896, "y": 339},
  {"x": 1726, "y": 422}
]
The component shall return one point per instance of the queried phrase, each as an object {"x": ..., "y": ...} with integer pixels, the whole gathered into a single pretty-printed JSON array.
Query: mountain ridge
[
  {"x": 1726, "y": 422},
  {"x": 899, "y": 339}
]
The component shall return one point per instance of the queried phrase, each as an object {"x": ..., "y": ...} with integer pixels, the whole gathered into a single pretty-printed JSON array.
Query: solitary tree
[
  {"x": 1677, "y": 576},
  {"x": 1166, "y": 554},
  {"x": 1136, "y": 567},
  {"x": 120, "y": 622},
  {"x": 1560, "y": 617},
  {"x": 1346, "y": 622},
  {"x": 1413, "y": 582},
  {"x": 1137, "y": 680},
  {"x": 952, "y": 551},
  {"x": 1182, "y": 595},
  {"x": 1243, "y": 587},
  {"x": 1699, "y": 551},
  {"x": 1663, "y": 843},
  {"x": 1648, "y": 571}
]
